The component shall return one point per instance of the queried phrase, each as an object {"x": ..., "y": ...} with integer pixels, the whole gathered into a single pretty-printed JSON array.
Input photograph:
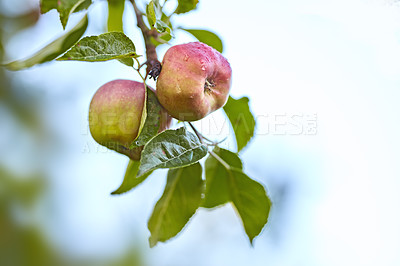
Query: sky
[{"x": 323, "y": 82}]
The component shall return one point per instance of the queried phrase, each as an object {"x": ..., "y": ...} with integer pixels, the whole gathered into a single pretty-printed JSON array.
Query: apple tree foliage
[{"x": 190, "y": 185}]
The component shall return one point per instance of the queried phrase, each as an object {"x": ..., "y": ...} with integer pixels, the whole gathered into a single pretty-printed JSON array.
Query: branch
[{"x": 153, "y": 65}]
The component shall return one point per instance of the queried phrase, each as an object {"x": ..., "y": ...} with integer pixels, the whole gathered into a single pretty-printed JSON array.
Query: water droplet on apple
[
  {"x": 186, "y": 58},
  {"x": 203, "y": 68}
]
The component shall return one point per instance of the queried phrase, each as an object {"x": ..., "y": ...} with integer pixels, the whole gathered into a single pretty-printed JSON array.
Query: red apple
[
  {"x": 195, "y": 80},
  {"x": 115, "y": 114}
]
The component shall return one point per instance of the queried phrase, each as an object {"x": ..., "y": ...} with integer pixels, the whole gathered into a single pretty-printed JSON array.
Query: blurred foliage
[{"x": 23, "y": 239}]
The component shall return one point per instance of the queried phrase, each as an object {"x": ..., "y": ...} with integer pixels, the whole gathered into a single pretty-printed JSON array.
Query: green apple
[
  {"x": 115, "y": 115},
  {"x": 195, "y": 80}
]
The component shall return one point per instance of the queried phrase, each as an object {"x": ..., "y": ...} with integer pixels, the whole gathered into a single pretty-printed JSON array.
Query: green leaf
[
  {"x": 251, "y": 202},
  {"x": 157, "y": 8},
  {"x": 248, "y": 196},
  {"x": 158, "y": 20},
  {"x": 242, "y": 120},
  {"x": 64, "y": 7},
  {"x": 207, "y": 37},
  {"x": 162, "y": 27},
  {"x": 107, "y": 46},
  {"x": 171, "y": 149},
  {"x": 115, "y": 15},
  {"x": 143, "y": 118},
  {"x": 180, "y": 200},
  {"x": 54, "y": 49},
  {"x": 186, "y": 6},
  {"x": 47, "y": 5},
  {"x": 151, "y": 14},
  {"x": 152, "y": 122},
  {"x": 130, "y": 178},
  {"x": 126, "y": 61},
  {"x": 217, "y": 178}
]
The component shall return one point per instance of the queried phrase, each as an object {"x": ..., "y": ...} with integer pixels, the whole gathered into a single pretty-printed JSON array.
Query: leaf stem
[
  {"x": 201, "y": 137},
  {"x": 138, "y": 71},
  {"x": 198, "y": 134}
]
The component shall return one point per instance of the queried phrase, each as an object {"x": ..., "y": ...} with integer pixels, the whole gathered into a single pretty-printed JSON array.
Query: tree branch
[{"x": 151, "y": 54}]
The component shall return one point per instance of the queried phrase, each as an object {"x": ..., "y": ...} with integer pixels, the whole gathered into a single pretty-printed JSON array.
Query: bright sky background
[{"x": 337, "y": 61}]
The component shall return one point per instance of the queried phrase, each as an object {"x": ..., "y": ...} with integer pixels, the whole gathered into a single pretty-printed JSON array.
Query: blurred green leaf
[
  {"x": 151, "y": 14},
  {"x": 242, "y": 120},
  {"x": 186, "y": 6},
  {"x": 207, "y": 37},
  {"x": 115, "y": 15},
  {"x": 107, "y": 46},
  {"x": 152, "y": 122},
  {"x": 248, "y": 196},
  {"x": 130, "y": 179},
  {"x": 171, "y": 149},
  {"x": 180, "y": 200},
  {"x": 54, "y": 49},
  {"x": 64, "y": 7},
  {"x": 19, "y": 22},
  {"x": 217, "y": 178}
]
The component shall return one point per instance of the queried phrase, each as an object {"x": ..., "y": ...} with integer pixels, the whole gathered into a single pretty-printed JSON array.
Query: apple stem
[{"x": 209, "y": 84}]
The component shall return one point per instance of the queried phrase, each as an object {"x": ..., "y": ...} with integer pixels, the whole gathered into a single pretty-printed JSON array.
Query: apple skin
[
  {"x": 115, "y": 113},
  {"x": 195, "y": 80}
]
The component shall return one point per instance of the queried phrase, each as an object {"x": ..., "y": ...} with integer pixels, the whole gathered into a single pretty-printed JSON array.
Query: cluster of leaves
[{"x": 178, "y": 150}]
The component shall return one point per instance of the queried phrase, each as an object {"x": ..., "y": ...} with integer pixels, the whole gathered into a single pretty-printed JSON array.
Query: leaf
[
  {"x": 162, "y": 27},
  {"x": 180, "y": 200},
  {"x": 251, "y": 202},
  {"x": 171, "y": 149},
  {"x": 115, "y": 15},
  {"x": 64, "y": 7},
  {"x": 152, "y": 122},
  {"x": 130, "y": 178},
  {"x": 126, "y": 61},
  {"x": 248, "y": 196},
  {"x": 157, "y": 8},
  {"x": 143, "y": 118},
  {"x": 54, "y": 49},
  {"x": 242, "y": 120},
  {"x": 107, "y": 46},
  {"x": 217, "y": 178},
  {"x": 151, "y": 14},
  {"x": 207, "y": 37},
  {"x": 186, "y": 6},
  {"x": 166, "y": 19}
]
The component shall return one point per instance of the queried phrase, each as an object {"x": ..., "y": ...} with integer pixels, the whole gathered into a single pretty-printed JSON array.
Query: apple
[
  {"x": 115, "y": 114},
  {"x": 195, "y": 80}
]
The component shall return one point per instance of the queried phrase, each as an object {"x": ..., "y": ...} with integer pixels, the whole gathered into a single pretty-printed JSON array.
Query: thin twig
[{"x": 147, "y": 33}]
